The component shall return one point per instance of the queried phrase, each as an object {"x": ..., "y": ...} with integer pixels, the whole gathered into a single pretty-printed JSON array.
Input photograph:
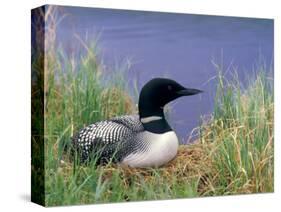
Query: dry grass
[{"x": 191, "y": 163}]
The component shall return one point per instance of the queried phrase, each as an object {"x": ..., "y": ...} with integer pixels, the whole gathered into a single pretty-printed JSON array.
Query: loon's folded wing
[{"x": 106, "y": 139}]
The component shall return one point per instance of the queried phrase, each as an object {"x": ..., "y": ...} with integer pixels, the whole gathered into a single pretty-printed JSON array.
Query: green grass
[
  {"x": 76, "y": 96},
  {"x": 241, "y": 135},
  {"x": 233, "y": 155},
  {"x": 74, "y": 99}
]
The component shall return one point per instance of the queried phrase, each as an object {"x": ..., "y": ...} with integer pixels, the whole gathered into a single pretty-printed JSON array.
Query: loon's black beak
[{"x": 188, "y": 92}]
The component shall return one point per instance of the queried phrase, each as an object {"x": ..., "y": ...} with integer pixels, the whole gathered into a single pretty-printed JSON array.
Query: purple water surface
[{"x": 178, "y": 46}]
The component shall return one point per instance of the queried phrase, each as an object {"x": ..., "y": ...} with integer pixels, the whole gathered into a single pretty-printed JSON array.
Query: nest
[{"x": 190, "y": 163}]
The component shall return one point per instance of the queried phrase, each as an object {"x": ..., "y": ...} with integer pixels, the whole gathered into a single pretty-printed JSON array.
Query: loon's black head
[{"x": 156, "y": 93}]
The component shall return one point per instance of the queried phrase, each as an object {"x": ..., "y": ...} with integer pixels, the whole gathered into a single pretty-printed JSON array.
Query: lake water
[{"x": 178, "y": 46}]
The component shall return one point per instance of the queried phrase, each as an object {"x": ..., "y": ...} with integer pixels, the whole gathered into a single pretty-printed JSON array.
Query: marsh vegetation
[{"x": 232, "y": 155}]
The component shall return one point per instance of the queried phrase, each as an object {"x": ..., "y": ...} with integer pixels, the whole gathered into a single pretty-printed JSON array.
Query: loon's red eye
[{"x": 170, "y": 87}]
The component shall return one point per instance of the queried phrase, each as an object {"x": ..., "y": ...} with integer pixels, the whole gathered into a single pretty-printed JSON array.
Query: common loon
[{"x": 144, "y": 140}]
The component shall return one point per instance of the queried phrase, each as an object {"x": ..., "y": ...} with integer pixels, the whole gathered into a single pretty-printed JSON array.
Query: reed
[
  {"x": 241, "y": 135},
  {"x": 233, "y": 154}
]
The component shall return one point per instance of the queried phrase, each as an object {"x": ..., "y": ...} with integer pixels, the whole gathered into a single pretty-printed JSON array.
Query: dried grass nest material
[{"x": 191, "y": 162}]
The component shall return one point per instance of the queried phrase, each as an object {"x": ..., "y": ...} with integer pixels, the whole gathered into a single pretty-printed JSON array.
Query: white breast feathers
[{"x": 161, "y": 148}]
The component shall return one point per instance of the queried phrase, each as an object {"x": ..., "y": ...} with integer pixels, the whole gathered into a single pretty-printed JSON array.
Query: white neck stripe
[{"x": 150, "y": 119}]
